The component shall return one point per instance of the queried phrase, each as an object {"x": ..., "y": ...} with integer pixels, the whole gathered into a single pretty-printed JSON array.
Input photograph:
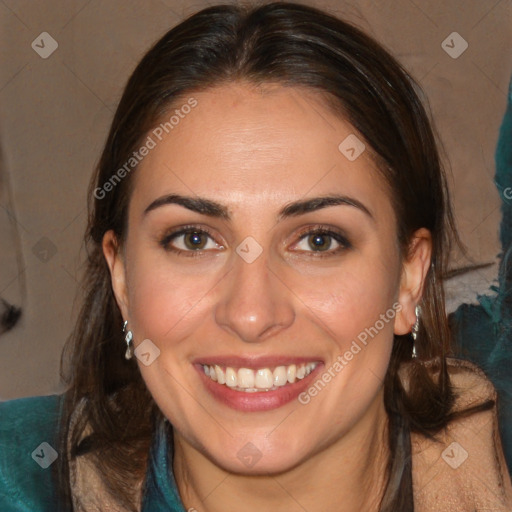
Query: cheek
[
  {"x": 356, "y": 306},
  {"x": 164, "y": 303},
  {"x": 348, "y": 301}
]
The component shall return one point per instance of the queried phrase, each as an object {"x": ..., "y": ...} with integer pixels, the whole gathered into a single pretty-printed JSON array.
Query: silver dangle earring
[
  {"x": 415, "y": 329},
  {"x": 128, "y": 338}
]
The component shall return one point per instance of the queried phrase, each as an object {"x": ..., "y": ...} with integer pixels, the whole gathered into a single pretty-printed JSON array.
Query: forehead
[{"x": 256, "y": 148}]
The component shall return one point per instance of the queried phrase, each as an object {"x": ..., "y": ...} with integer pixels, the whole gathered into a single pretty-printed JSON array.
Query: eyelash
[{"x": 309, "y": 231}]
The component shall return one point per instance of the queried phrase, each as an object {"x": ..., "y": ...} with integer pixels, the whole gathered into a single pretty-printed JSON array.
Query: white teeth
[
  {"x": 231, "y": 378},
  {"x": 221, "y": 378},
  {"x": 264, "y": 379},
  {"x": 280, "y": 378},
  {"x": 291, "y": 373},
  {"x": 245, "y": 378},
  {"x": 251, "y": 381}
]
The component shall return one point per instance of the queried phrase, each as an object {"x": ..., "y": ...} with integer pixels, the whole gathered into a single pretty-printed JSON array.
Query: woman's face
[{"x": 236, "y": 267}]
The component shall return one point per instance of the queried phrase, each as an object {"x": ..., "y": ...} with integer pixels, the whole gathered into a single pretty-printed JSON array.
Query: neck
[{"x": 351, "y": 471}]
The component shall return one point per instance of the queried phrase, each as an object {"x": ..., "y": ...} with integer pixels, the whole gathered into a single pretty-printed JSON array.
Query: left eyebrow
[
  {"x": 317, "y": 203},
  {"x": 211, "y": 208}
]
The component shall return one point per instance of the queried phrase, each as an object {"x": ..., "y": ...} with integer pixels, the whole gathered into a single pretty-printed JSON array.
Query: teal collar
[{"x": 161, "y": 492}]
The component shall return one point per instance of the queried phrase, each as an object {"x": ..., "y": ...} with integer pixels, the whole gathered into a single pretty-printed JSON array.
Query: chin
[
  {"x": 250, "y": 461},
  {"x": 258, "y": 454}
]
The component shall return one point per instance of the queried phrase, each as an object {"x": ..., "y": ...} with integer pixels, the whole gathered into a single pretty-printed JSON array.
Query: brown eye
[
  {"x": 322, "y": 240},
  {"x": 195, "y": 240},
  {"x": 189, "y": 239}
]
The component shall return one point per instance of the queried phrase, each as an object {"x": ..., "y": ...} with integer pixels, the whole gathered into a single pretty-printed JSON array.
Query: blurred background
[{"x": 63, "y": 66}]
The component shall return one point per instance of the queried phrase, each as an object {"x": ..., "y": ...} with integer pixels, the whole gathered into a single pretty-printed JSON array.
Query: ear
[
  {"x": 412, "y": 280},
  {"x": 116, "y": 264}
]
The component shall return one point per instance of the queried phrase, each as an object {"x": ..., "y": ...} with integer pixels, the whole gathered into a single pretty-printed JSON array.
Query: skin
[{"x": 255, "y": 150}]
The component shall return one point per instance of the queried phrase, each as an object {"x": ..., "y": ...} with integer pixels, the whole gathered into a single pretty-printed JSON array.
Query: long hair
[{"x": 295, "y": 46}]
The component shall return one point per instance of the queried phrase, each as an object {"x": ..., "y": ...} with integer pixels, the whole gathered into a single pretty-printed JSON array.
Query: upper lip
[{"x": 255, "y": 361}]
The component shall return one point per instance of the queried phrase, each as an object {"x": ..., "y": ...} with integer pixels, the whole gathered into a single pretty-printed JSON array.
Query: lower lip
[{"x": 258, "y": 400}]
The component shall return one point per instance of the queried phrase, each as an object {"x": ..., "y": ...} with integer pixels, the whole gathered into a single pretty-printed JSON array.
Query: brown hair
[{"x": 292, "y": 45}]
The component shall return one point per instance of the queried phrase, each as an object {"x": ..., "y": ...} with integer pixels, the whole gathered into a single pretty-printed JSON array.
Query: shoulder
[
  {"x": 28, "y": 428},
  {"x": 463, "y": 466},
  {"x": 470, "y": 384}
]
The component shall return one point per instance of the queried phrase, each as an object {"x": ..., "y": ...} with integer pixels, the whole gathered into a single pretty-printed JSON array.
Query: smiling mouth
[{"x": 258, "y": 380}]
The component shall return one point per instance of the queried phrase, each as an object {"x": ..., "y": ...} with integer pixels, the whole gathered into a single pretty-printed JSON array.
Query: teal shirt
[
  {"x": 28, "y": 428},
  {"x": 26, "y": 486}
]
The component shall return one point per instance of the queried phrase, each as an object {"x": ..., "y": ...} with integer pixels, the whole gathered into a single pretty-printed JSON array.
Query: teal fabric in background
[{"x": 483, "y": 332}]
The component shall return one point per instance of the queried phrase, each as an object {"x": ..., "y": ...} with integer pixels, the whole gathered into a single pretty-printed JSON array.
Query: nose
[{"x": 254, "y": 304}]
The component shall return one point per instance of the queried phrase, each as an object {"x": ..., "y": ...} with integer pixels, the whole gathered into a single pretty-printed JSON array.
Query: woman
[{"x": 263, "y": 321}]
